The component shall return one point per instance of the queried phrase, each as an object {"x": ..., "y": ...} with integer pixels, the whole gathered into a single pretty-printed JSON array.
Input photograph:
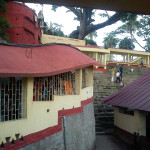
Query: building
[
  {"x": 132, "y": 112},
  {"x": 46, "y": 97},
  {"x": 25, "y": 27}
]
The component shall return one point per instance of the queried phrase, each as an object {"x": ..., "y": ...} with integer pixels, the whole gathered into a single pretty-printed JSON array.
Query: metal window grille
[
  {"x": 84, "y": 84},
  {"x": 46, "y": 87},
  {"x": 12, "y": 98}
]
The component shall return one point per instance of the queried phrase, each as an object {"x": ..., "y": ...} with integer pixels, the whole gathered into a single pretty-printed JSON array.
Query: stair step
[
  {"x": 103, "y": 113},
  {"x": 99, "y": 117}
]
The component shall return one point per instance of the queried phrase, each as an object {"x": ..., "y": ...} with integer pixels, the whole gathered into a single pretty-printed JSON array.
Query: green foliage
[
  {"x": 85, "y": 18},
  {"x": 91, "y": 35},
  {"x": 3, "y": 22},
  {"x": 2, "y": 6},
  {"x": 110, "y": 41},
  {"x": 147, "y": 46},
  {"x": 55, "y": 29},
  {"x": 3, "y": 26},
  {"x": 128, "y": 17},
  {"x": 126, "y": 43},
  {"x": 54, "y": 7},
  {"x": 143, "y": 30},
  {"x": 104, "y": 15},
  {"x": 132, "y": 25},
  {"x": 90, "y": 42}
]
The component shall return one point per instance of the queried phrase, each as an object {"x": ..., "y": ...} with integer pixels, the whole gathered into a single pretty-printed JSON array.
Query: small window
[
  {"x": 12, "y": 98},
  {"x": 46, "y": 87},
  {"x": 126, "y": 111}
]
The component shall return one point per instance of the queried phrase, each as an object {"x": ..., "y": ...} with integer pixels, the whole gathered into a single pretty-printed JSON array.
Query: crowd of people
[
  {"x": 119, "y": 74},
  {"x": 119, "y": 77}
]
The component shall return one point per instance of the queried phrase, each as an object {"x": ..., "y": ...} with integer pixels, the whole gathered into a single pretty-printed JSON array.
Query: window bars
[
  {"x": 84, "y": 82},
  {"x": 46, "y": 87},
  {"x": 12, "y": 98}
]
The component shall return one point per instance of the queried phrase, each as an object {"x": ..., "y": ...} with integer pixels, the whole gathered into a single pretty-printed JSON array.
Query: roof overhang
[
  {"x": 135, "y": 6},
  {"x": 41, "y": 60}
]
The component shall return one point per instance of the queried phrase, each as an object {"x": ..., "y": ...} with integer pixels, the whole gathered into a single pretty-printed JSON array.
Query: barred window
[
  {"x": 12, "y": 98},
  {"x": 84, "y": 78},
  {"x": 46, "y": 87}
]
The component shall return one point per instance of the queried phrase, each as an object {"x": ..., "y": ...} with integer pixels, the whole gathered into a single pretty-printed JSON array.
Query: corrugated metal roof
[
  {"x": 134, "y": 96},
  {"x": 45, "y": 60}
]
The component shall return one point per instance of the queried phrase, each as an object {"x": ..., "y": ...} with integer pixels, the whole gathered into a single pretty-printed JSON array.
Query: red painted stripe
[
  {"x": 100, "y": 69},
  {"x": 37, "y": 136},
  {"x": 68, "y": 112},
  {"x": 86, "y": 102}
]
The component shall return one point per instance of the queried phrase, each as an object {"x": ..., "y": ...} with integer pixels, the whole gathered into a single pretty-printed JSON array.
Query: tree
[
  {"x": 55, "y": 29},
  {"x": 89, "y": 38},
  {"x": 110, "y": 41},
  {"x": 129, "y": 26},
  {"x": 85, "y": 17},
  {"x": 3, "y": 22},
  {"x": 90, "y": 42},
  {"x": 126, "y": 43},
  {"x": 143, "y": 30},
  {"x": 147, "y": 46},
  {"x": 134, "y": 25}
]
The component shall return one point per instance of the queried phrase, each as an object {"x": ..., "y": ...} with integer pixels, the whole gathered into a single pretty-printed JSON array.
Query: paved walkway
[{"x": 109, "y": 142}]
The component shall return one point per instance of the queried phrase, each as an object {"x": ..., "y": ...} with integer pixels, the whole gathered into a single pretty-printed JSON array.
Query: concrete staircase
[{"x": 103, "y": 87}]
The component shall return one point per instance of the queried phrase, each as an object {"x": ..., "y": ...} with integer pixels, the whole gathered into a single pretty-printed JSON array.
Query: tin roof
[
  {"x": 43, "y": 60},
  {"x": 134, "y": 96}
]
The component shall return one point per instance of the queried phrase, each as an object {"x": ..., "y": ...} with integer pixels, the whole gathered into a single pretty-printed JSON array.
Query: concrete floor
[{"x": 109, "y": 142}]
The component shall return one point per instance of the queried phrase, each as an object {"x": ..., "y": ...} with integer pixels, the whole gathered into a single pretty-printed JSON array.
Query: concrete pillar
[
  {"x": 148, "y": 60},
  {"x": 105, "y": 60},
  {"x": 128, "y": 59},
  {"x": 124, "y": 58},
  {"x": 78, "y": 80},
  {"x": 96, "y": 58}
]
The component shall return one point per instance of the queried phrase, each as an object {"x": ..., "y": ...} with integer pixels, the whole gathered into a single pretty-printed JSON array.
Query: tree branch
[
  {"x": 139, "y": 43},
  {"x": 76, "y": 12},
  {"x": 92, "y": 28},
  {"x": 111, "y": 20},
  {"x": 90, "y": 21}
]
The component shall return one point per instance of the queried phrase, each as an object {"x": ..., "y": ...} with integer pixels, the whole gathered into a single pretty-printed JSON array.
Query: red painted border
[
  {"x": 124, "y": 133},
  {"x": 100, "y": 69},
  {"x": 37, "y": 136},
  {"x": 86, "y": 102}
]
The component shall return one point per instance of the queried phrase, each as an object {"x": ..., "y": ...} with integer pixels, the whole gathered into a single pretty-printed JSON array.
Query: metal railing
[
  {"x": 12, "y": 98},
  {"x": 46, "y": 87}
]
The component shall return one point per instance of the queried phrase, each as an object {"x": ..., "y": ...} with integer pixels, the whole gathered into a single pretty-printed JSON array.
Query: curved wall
[{"x": 25, "y": 28}]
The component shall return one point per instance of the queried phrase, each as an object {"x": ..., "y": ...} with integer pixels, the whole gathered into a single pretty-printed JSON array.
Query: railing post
[
  {"x": 124, "y": 58},
  {"x": 96, "y": 58},
  {"x": 128, "y": 59},
  {"x": 148, "y": 61},
  {"x": 105, "y": 61}
]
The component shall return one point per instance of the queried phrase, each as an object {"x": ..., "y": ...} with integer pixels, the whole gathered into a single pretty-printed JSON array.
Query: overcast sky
[{"x": 66, "y": 20}]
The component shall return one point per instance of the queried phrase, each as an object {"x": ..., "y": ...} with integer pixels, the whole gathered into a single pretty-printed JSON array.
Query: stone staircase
[{"x": 103, "y": 87}]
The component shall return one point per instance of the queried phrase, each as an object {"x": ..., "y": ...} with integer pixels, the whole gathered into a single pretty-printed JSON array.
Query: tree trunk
[{"x": 82, "y": 25}]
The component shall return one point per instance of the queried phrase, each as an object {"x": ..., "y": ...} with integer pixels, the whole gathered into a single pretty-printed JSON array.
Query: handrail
[{"x": 136, "y": 60}]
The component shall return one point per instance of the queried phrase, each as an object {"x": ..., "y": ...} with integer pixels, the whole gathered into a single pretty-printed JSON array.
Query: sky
[{"x": 66, "y": 20}]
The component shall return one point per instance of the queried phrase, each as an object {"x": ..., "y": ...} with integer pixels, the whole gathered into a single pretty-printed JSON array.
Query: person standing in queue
[
  {"x": 121, "y": 70},
  {"x": 118, "y": 76}
]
